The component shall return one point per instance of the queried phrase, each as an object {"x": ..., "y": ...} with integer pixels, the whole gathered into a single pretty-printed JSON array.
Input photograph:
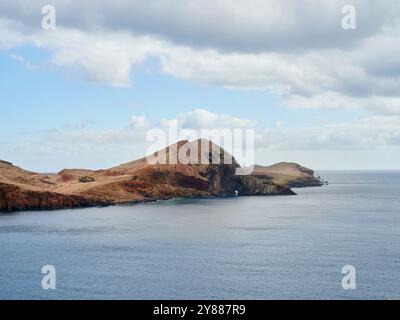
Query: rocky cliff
[
  {"x": 16, "y": 198},
  {"x": 146, "y": 179}
]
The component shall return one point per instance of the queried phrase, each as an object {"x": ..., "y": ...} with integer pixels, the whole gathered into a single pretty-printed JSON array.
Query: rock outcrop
[
  {"x": 146, "y": 179},
  {"x": 16, "y": 198}
]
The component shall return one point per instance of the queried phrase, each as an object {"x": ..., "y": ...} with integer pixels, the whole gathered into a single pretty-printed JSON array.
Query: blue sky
[
  {"x": 49, "y": 97},
  {"x": 70, "y": 96}
]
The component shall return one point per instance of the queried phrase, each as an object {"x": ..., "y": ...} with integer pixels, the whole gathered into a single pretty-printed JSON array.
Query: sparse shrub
[{"x": 86, "y": 179}]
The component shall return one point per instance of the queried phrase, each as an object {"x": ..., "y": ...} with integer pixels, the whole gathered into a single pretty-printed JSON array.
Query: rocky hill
[{"x": 289, "y": 174}]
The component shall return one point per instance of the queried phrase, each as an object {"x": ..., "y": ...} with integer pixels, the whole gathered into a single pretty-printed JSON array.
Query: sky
[{"x": 86, "y": 93}]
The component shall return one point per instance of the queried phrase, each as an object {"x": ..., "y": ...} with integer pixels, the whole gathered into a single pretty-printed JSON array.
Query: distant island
[{"x": 139, "y": 181}]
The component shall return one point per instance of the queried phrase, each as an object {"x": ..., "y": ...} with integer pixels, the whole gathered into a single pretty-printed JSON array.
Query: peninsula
[{"x": 140, "y": 181}]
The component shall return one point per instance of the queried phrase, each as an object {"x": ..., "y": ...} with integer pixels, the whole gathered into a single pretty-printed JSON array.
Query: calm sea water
[{"x": 282, "y": 247}]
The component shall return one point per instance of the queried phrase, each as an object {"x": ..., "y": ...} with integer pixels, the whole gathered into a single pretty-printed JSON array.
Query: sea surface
[{"x": 277, "y": 247}]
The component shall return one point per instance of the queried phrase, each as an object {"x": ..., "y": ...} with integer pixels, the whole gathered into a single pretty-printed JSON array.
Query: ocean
[{"x": 276, "y": 247}]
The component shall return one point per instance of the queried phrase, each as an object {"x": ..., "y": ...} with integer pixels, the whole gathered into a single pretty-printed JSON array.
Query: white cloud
[
  {"x": 139, "y": 122},
  {"x": 203, "y": 119},
  {"x": 107, "y": 58},
  {"x": 366, "y": 134},
  {"x": 294, "y": 49},
  {"x": 245, "y": 26},
  {"x": 22, "y": 61}
]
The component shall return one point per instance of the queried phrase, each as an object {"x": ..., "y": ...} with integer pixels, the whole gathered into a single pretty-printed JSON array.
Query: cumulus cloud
[
  {"x": 203, "y": 119},
  {"x": 296, "y": 49},
  {"x": 246, "y": 26},
  {"x": 139, "y": 122},
  {"x": 367, "y": 134}
]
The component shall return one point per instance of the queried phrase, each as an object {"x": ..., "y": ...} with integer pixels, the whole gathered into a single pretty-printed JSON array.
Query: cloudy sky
[{"x": 85, "y": 94}]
